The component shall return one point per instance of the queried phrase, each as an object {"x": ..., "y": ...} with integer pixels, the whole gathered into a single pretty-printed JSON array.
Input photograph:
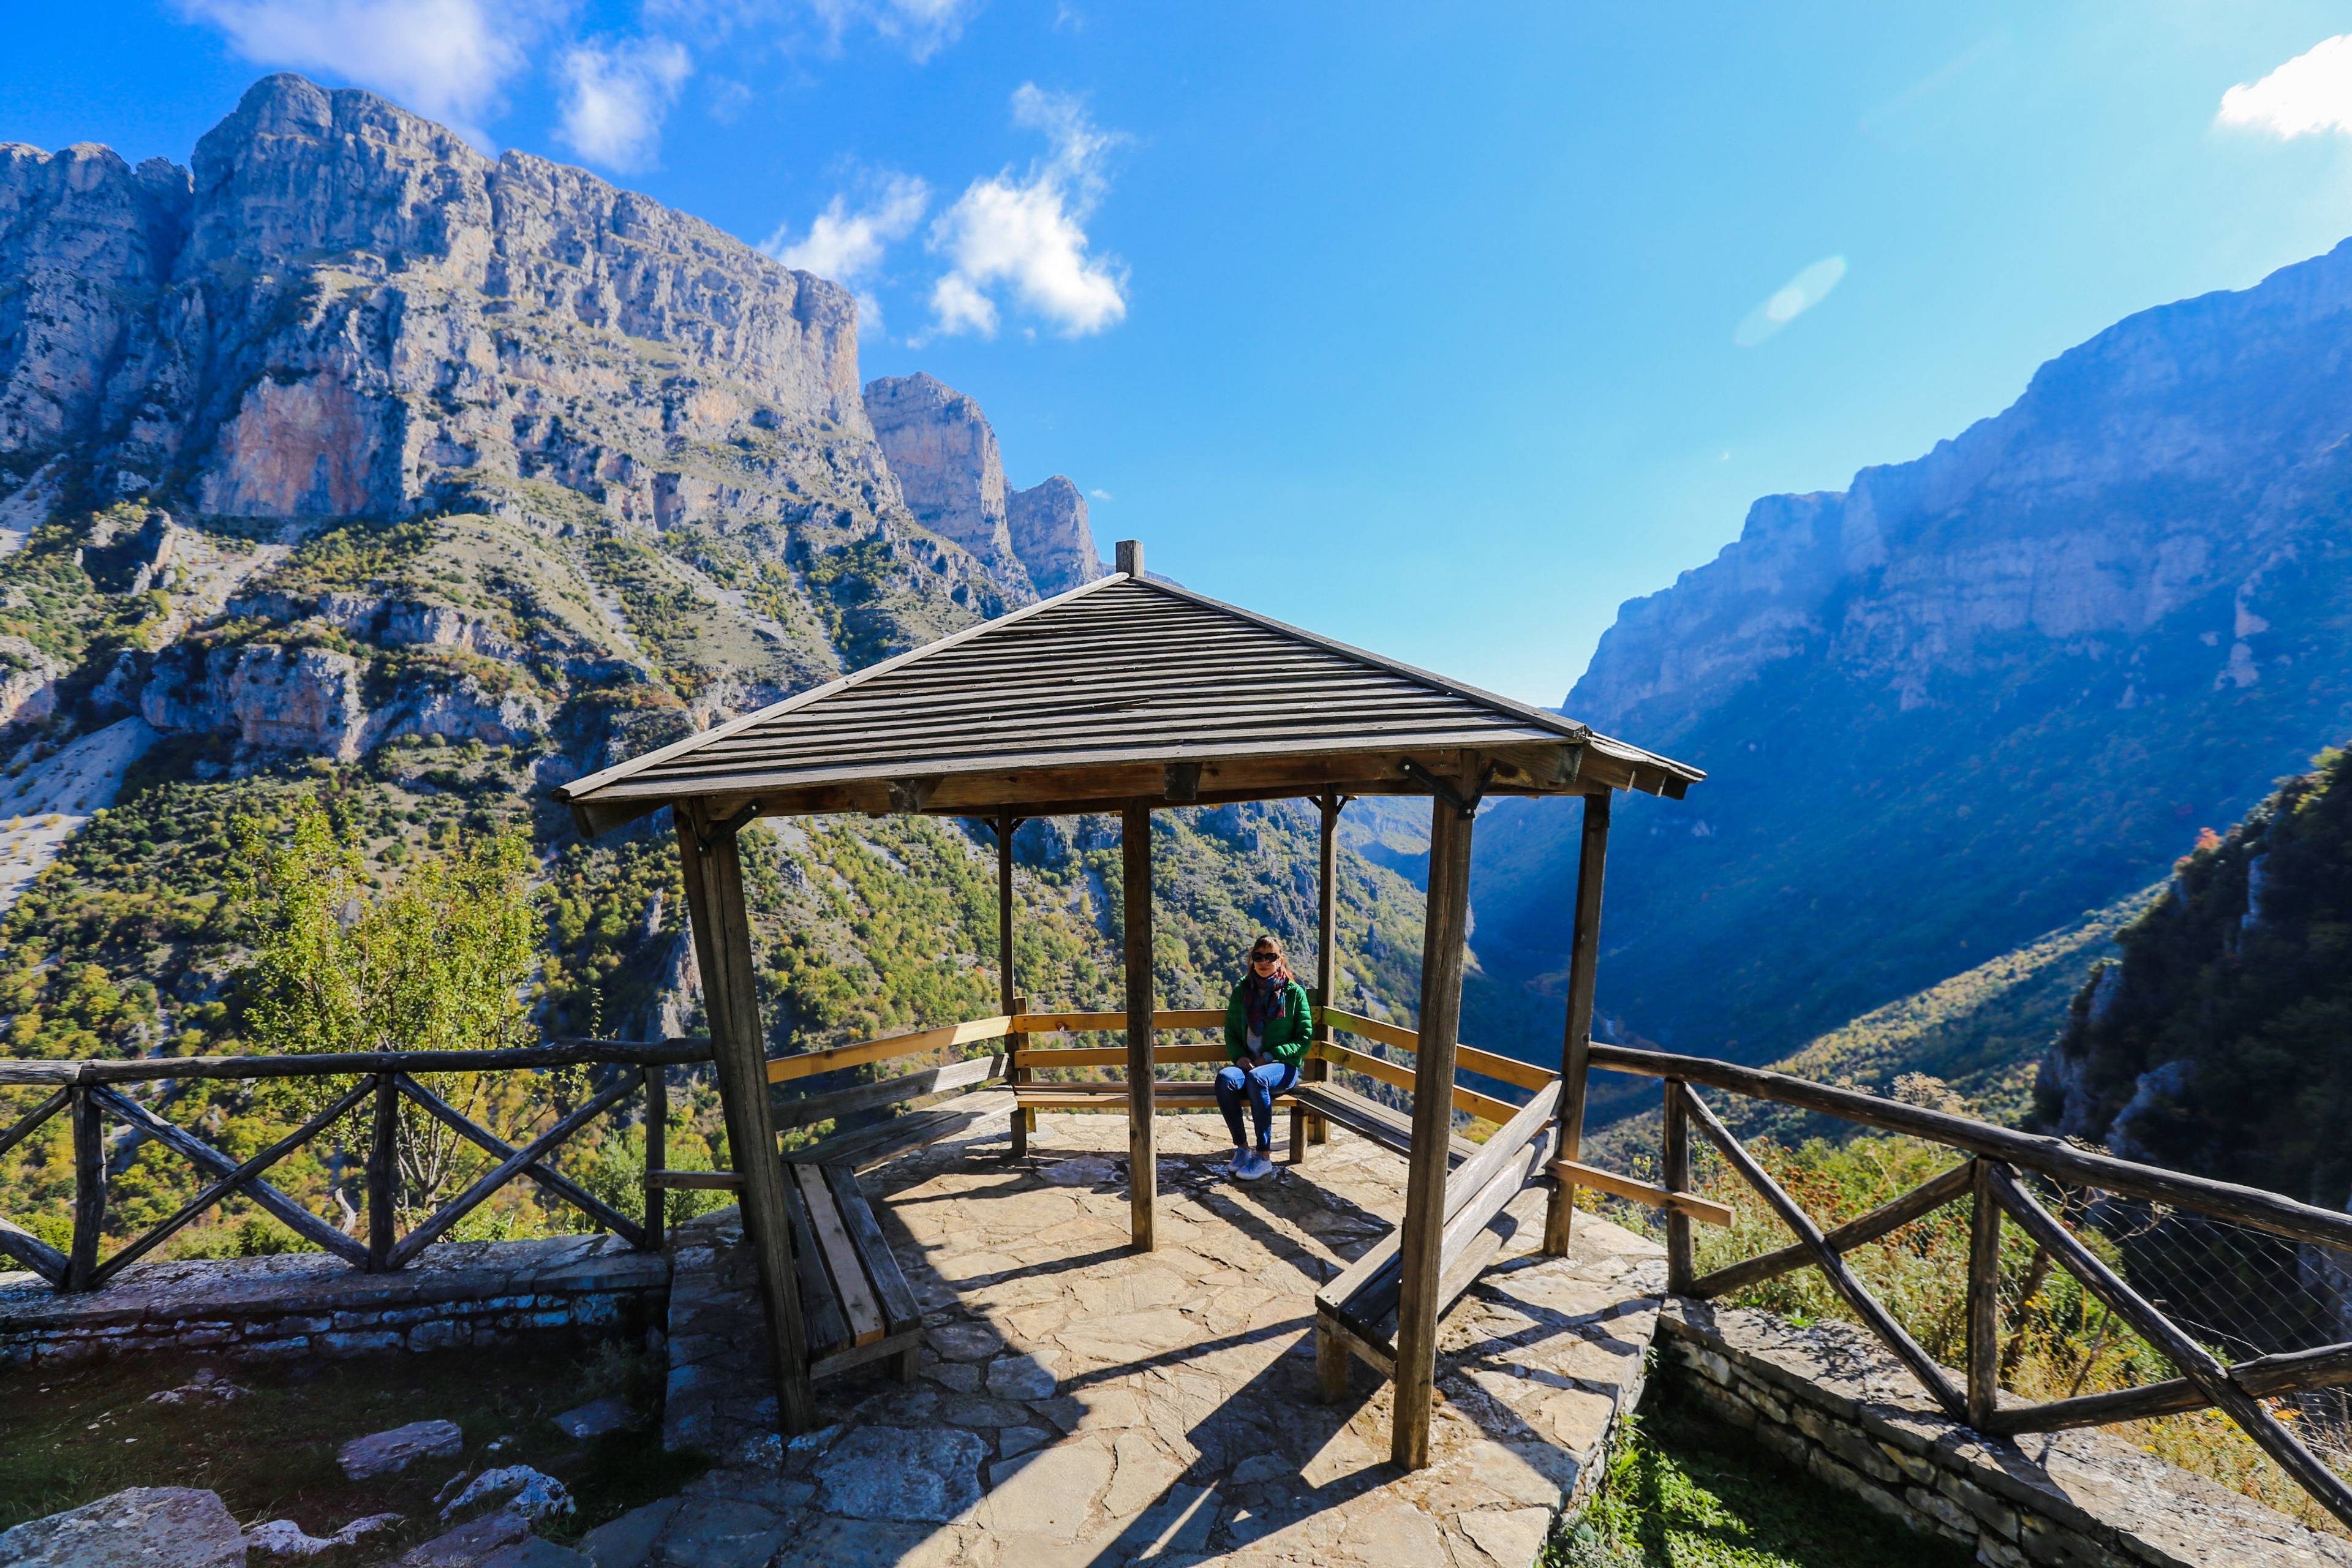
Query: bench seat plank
[
  {"x": 1390, "y": 1128},
  {"x": 790, "y": 1110},
  {"x": 1369, "y": 1296},
  {"x": 820, "y": 1320},
  {"x": 843, "y": 1266},
  {"x": 836, "y": 1240},
  {"x": 863, "y": 1147},
  {"x": 900, "y": 1313},
  {"x": 1083, "y": 1094}
]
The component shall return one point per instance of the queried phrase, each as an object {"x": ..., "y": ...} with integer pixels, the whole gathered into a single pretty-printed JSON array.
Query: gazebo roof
[{"x": 1127, "y": 688}]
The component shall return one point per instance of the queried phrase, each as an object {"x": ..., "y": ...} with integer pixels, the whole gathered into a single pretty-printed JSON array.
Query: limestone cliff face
[
  {"x": 2172, "y": 456},
  {"x": 1050, "y": 533},
  {"x": 944, "y": 454},
  {"x": 88, "y": 245},
  {"x": 1955, "y": 705},
  {"x": 370, "y": 318},
  {"x": 345, "y": 311},
  {"x": 404, "y": 399}
]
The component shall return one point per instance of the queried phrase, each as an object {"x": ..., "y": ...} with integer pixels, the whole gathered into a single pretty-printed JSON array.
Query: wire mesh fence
[{"x": 2241, "y": 1292}]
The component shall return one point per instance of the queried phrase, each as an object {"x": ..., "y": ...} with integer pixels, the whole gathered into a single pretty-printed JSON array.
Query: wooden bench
[
  {"x": 863, "y": 1147},
  {"x": 855, "y": 1303},
  {"x": 1384, "y": 1124},
  {"x": 1356, "y": 1312},
  {"x": 1168, "y": 1094}
]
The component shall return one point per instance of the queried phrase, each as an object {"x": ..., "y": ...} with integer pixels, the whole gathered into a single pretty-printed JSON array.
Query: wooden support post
[
  {"x": 1142, "y": 1134},
  {"x": 90, "y": 1188},
  {"x": 383, "y": 1172},
  {"x": 1576, "y": 1049},
  {"x": 1445, "y": 930},
  {"x": 1008, "y": 1002},
  {"x": 1306, "y": 1127},
  {"x": 656, "y": 1154},
  {"x": 1675, "y": 1175},
  {"x": 1984, "y": 1297},
  {"x": 722, "y": 948}
]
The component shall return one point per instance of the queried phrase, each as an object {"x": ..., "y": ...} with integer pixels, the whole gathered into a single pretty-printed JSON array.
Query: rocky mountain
[
  {"x": 1970, "y": 697},
  {"x": 349, "y": 461},
  {"x": 2221, "y": 1040},
  {"x": 945, "y": 456}
]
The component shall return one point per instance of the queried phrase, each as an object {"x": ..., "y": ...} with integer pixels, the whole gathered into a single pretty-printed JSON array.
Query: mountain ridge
[{"x": 1951, "y": 706}]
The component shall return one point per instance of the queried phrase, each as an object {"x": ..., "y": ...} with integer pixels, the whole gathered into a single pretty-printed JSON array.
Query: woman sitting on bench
[{"x": 1268, "y": 1024}]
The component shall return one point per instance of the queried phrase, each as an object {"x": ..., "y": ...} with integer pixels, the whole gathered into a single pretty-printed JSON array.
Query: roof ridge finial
[{"x": 1129, "y": 555}]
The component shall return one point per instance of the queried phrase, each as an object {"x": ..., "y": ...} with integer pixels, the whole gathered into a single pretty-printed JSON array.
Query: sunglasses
[{"x": 1266, "y": 958}]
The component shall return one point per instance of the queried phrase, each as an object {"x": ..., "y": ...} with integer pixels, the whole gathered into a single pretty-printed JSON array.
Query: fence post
[
  {"x": 657, "y": 1153},
  {"x": 383, "y": 1153},
  {"x": 1674, "y": 1176},
  {"x": 90, "y": 1188},
  {"x": 1984, "y": 1296}
]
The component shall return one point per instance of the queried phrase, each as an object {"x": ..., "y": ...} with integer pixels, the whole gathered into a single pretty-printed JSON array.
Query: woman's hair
[{"x": 1272, "y": 944}]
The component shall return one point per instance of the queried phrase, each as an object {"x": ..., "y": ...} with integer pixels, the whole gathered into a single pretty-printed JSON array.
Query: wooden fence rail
[
  {"x": 1024, "y": 1060},
  {"x": 90, "y": 1094},
  {"x": 1988, "y": 1179},
  {"x": 1530, "y": 1131}
]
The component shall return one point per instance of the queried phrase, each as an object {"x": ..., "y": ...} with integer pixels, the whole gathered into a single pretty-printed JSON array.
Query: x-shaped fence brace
[
  {"x": 2205, "y": 1381},
  {"x": 81, "y": 1268}
]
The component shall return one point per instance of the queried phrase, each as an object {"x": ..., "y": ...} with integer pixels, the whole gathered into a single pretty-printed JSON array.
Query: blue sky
[{"x": 1441, "y": 330}]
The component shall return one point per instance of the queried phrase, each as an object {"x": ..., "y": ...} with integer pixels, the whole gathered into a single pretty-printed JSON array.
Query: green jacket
[{"x": 1288, "y": 1033}]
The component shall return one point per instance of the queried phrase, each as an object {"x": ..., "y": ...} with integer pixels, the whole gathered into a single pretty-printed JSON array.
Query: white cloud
[
  {"x": 1100, "y": 495},
  {"x": 1791, "y": 301},
  {"x": 958, "y": 307},
  {"x": 2310, "y": 93},
  {"x": 847, "y": 245},
  {"x": 921, "y": 27},
  {"x": 615, "y": 96},
  {"x": 1026, "y": 233},
  {"x": 447, "y": 59}
]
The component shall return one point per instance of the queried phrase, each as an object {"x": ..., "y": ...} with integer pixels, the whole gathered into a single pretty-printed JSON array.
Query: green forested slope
[
  {"x": 1972, "y": 1044},
  {"x": 2220, "y": 1042}
]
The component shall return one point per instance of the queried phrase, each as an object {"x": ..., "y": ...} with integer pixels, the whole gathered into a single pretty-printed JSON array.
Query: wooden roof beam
[{"x": 1529, "y": 770}]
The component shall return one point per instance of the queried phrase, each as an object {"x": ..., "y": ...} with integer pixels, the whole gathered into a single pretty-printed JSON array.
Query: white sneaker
[
  {"x": 1258, "y": 1168},
  {"x": 1238, "y": 1165}
]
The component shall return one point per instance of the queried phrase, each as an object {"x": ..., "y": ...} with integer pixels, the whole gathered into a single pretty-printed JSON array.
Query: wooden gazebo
[{"x": 1128, "y": 695}]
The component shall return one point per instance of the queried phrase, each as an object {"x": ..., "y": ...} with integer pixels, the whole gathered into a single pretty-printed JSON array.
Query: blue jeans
[{"x": 1261, "y": 1083}]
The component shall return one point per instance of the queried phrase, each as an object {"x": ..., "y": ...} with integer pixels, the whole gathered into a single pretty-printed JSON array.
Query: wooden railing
[
  {"x": 1990, "y": 1179},
  {"x": 90, "y": 1093},
  {"x": 1466, "y": 1058},
  {"x": 977, "y": 1070}
]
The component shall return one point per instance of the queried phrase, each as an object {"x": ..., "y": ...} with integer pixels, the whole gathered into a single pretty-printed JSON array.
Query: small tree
[{"x": 441, "y": 960}]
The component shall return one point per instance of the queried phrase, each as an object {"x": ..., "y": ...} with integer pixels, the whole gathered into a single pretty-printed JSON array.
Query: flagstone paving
[{"x": 1078, "y": 1402}]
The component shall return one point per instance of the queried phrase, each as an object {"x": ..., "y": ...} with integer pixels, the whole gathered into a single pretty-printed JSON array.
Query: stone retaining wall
[
  {"x": 310, "y": 1304},
  {"x": 1829, "y": 1398}
]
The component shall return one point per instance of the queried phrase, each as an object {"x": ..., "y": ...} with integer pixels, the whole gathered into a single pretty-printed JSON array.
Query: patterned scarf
[{"x": 1262, "y": 996}]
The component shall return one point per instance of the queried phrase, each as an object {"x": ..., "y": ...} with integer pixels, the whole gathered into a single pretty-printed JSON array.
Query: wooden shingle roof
[{"x": 1127, "y": 688}]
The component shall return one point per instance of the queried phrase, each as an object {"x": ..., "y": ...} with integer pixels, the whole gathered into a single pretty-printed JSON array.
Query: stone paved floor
[{"x": 1080, "y": 1403}]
